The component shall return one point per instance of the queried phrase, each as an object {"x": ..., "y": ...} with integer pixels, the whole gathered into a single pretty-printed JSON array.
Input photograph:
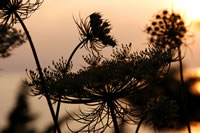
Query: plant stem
[
  {"x": 183, "y": 92},
  {"x": 139, "y": 124},
  {"x": 110, "y": 105},
  {"x": 73, "y": 52},
  {"x": 40, "y": 71},
  {"x": 67, "y": 65}
]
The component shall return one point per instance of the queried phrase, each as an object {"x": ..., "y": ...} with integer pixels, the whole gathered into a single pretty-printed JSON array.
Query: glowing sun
[
  {"x": 195, "y": 89},
  {"x": 190, "y": 7}
]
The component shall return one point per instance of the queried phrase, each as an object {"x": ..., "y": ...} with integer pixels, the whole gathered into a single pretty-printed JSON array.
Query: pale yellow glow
[
  {"x": 196, "y": 88},
  {"x": 190, "y": 7},
  {"x": 198, "y": 72}
]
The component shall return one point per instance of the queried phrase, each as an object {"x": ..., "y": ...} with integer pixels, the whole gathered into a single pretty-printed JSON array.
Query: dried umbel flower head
[
  {"x": 10, "y": 38},
  {"x": 104, "y": 86},
  {"x": 167, "y": 30},
  {"x": 23, "y": 8},
  {"x": 95, "y": 32}
]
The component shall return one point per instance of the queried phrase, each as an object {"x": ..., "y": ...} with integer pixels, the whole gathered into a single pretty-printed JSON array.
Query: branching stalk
[{"x": 40, "y": 71}]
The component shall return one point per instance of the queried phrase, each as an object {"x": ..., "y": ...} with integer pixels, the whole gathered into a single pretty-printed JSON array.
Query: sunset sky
[{"x": 55, "y": 34}]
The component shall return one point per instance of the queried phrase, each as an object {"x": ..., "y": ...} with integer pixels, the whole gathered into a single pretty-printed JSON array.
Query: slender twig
[
  {"x": 110, "y": 105},
  {"x": 183, "y": 92},
  {"x": 40, "y": 72}
]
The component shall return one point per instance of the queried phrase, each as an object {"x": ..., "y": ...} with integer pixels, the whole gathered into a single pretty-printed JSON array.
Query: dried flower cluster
[{"x": 167, "y": 30}]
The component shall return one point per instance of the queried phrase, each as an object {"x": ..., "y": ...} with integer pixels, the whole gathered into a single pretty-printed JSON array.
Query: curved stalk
[
  {"x": 73, "y": 52},
  {"x": 183, "y": 92},
  {"x": 67, "y": 65},
  {"x": 139, "y": 125},
  {"x": 110, "y": 105},
  {"x": 40, "y": 71}
]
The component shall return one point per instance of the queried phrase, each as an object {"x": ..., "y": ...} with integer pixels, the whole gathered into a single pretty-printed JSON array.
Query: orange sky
[{"x": 55, "y": 34}]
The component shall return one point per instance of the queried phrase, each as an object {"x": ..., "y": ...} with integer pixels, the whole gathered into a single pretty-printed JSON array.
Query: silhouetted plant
[
  {"x": 104, "y": 84},
  {"x": 10, "y": 38},
  {"x": 94, "y": 36},
  {"x": 168, "y": 31},
  {"x": 13, "y": 11}
]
